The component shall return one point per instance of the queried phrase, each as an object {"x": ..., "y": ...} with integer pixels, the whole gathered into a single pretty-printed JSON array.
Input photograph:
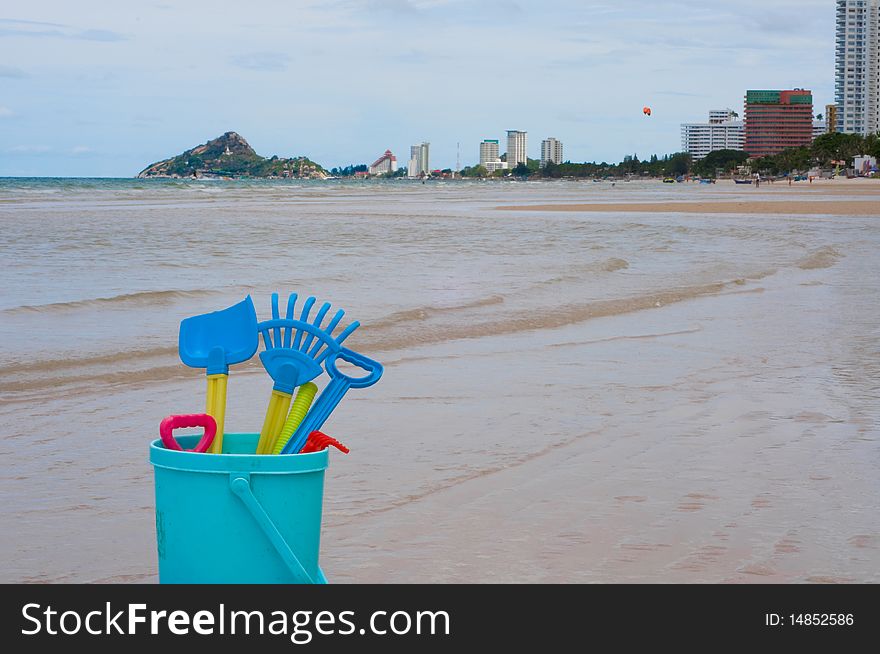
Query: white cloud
[
  {"x": 81, "y": 149},
  {"x": 6, "y": 112}
]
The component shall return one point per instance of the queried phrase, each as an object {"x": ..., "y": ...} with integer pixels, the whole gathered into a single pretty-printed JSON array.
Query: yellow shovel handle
[
  {"x": 279, "y": 403},
  {"x": 216, "y": 408},
  {"x": 298, "y": 411}
]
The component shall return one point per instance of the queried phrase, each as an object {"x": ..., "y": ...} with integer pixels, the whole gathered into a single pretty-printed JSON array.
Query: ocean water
[{"x": 568, "y": 396}]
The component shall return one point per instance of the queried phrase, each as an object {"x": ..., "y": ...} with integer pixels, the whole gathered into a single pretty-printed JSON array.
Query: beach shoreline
[{"x": 826, "y": 197}]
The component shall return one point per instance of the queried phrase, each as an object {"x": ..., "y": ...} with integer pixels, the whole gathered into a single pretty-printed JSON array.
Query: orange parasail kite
[{"x": 647, "y": 111}]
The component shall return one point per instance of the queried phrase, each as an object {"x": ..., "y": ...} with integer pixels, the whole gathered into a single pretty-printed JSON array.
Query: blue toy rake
[{"x": 295, "y": 350}]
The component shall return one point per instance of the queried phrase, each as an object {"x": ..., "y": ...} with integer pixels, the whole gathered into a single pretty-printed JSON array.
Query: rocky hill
[{"x": 231, "y": 156}]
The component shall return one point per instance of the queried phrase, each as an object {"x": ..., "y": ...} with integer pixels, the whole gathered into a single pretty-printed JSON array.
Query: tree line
[{"x": 827, "y": 151}]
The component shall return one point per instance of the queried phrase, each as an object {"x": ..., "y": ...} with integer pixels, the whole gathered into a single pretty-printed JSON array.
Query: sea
[{"x": 568, "y": 397}]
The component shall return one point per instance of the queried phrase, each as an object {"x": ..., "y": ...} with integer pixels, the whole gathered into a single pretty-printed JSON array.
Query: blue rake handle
[{"x": 333, "y": 393}]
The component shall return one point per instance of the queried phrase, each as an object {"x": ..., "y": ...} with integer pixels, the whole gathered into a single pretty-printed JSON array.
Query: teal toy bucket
[{"x": 238, "y": 517}]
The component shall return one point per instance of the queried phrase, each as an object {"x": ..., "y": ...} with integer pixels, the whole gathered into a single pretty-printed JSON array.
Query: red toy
[{"x": 318, "y": 441}]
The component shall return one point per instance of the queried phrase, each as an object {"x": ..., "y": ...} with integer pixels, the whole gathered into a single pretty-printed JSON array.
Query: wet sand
[
  {"x": 568, "y": 397},
  {"x": 826, "y": 198},
  {"x": 799, "y": 208}
]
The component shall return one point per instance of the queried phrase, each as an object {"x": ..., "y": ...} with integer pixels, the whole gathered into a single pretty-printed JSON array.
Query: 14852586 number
[{"x": 822, "y": 619}]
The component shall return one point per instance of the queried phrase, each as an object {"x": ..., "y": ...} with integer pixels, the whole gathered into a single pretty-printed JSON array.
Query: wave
[
  {"x": 425, "y": 313},
  {"x": 142, "y": 298},
  {"x": 824, "y": 257},
  {"x": 405, "y": 329},
  {"x": 72, "y": 363},
  {"x": 383, "y": 340}
]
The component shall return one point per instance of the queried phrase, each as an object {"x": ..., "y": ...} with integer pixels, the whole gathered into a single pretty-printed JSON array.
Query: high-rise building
[
  {"x": 776, "y": 120},
  {"x": 857, "y": 87},
  {"x": 384, "y": 165},
  {"x": 517, "y": 148},
  {"x": 489, "y": 152},
  {"x": 830, "y": 118},
  {"x": 551, "y": 151},
  {"x": 722, "y": 132},
  {"x": 419, "y": 163},
  {"x": 489, "y": 156}
]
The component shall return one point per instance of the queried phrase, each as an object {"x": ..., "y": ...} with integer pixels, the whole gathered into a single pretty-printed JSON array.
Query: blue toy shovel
[
  {"x": 294, "y": 352},
  {"x": 333, "y": 393},
  {"x": 215, "y": 341}
]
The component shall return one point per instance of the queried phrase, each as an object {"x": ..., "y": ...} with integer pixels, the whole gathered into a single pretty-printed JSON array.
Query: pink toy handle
[{"x": 171, "y": 423}]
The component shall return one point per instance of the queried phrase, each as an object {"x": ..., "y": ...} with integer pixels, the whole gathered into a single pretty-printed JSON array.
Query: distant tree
[
  {"x": 837, "y": 146},
  {"x": 522, "y": 170},
  {"x": 474, "y": 171},
  {"x": 725, "y": 160},
  {"x": 680, "y": 163},
  {"x": 793, "y": 159},
  {"x": 551, "y": 170},
  {"x": 872, "y": 145}
]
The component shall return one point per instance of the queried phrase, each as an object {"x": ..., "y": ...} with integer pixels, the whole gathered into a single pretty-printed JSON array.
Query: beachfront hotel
[
  {"x": 722, "y": 132},
  {"x": 857, "y": 86},
  {"x": 517, "y": 148},
  {"x": 419, "y": 163},
  {"x": 490, "y": 157},
  {"x": 384, "y": 165},
  {"x": 551, "y": 151},
  {"x": 777, "y": 120},
  {"x": 489, "y": 151}
]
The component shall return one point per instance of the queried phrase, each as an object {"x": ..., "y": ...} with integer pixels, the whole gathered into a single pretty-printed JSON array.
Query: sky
[{"x": 104, "y": 88}]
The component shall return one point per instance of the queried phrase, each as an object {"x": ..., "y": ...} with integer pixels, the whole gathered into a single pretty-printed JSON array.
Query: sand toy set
[{"x": 259, "y": 495}]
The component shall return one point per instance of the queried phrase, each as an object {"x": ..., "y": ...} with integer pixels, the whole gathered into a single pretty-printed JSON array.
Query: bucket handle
[{"x": 241, "y": 486}]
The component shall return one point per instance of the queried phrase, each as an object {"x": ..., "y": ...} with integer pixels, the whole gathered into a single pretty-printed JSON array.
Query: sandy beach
[
  {"x": 569, "y": 396},
  {"x": 827, "y": 197}
]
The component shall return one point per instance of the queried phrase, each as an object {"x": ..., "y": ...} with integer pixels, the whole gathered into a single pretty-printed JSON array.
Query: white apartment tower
[
  {"x": 489, "y": 152},
  {"x": 517, "y": 148},
  {"x": 857, "y": 88},
  {"x": 551, "y": 151},
  {"x": 489, "y": 156},
  {"x": 722, "y": 132},
  {"x": 419, "y": 163}
]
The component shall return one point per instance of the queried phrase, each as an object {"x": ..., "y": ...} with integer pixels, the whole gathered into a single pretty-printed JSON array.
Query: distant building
[
  {"x": 489, "y": 156},
  {"x": 517, "y": 148},
  {"x": 830, "y": 118},
  {"x": 857, "y": 84},
  {"x": 819, "y": 128},
  {"x": 384, "y": 165},
  {"x": 776, "y": 120},
  {"x": 419, "y": 160},
  {"x": 551, "y": 151},
  {"x": 489, "y": 152},
  {"x": 722, "y": 132}
]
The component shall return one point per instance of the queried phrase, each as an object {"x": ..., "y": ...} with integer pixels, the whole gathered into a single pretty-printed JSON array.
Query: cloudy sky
[{"x": 100, "y": 87}]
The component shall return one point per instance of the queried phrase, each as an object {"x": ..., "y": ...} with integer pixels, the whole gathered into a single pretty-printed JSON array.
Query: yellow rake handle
[
  {"x": 279, "y": 403},
  {"x": 216, "y": 408}
]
